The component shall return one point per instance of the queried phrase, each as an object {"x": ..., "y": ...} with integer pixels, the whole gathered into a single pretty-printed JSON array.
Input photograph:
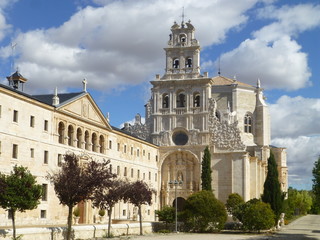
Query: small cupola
[{"x": 16, "y": 81}]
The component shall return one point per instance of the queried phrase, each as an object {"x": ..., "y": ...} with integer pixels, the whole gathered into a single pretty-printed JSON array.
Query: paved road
[{"x": 305, "y": 228}]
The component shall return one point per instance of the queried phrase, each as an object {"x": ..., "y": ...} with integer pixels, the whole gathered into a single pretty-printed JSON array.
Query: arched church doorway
[
  {"x": 180, "y": 203},
  {"x": 180, "y": 176}
]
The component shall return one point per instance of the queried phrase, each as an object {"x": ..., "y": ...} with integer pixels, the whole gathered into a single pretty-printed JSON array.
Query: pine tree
[
  {"x": 272, "y": 192},
  {"x": 206, "y": 177},
  {"x": 316, "y": 186}
]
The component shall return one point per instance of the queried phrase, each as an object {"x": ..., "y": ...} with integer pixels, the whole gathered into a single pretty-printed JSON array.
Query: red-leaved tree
[
  {"x": 76, "y": 182},
  {"x": 138, "y": 193},
  {"x": 107, "y": 196}
]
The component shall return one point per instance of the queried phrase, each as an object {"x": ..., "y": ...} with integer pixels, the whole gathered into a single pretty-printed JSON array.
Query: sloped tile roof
[{"x": 221, "y": 80}]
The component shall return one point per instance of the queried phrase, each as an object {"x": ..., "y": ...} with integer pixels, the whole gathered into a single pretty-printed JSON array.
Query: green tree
[
  {"x": 166, "y": 214},
  {"x": 272, "y": 192},
  {"x": 76, "y": 182},
  {"x": 257, "y": 216},
  {"x": 206, "y": 177},
  {"x": 204, "y": 213},
  {"x": 234, "y": 200},
  {"x": 299, "y": 202},
  {"x": 316, "y": 186},
  {"x": 20, "y": 192},
  {"x": 138, "y": 193}
]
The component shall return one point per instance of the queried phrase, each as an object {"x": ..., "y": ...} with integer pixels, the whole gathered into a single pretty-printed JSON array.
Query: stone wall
[{"x": 80, "y": 231}]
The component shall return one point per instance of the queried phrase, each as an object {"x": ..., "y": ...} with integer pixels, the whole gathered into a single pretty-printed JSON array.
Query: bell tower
[{"x": 182, "y": 53}]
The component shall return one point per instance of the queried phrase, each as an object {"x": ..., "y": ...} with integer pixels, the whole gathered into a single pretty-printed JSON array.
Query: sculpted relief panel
[{"x": 224, "y": 135}]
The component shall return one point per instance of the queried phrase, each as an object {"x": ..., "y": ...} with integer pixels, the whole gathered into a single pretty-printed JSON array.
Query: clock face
[{"x": 180, "y": 138}]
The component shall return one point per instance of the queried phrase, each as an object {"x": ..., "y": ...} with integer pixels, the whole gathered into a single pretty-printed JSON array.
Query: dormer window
[{"x": 176, "y": 63}]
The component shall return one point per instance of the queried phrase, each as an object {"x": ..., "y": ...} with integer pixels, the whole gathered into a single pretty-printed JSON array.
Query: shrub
[
  {"x": 204, "y": 213},
  {"x": 258, "y": 216},
  {"x": 233, "y": 201}
]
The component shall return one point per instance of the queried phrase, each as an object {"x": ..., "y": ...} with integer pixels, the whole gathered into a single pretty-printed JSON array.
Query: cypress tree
[
  {"x": 206, "y": 170},
  {"x": 272, "y": 192},
  {"x": 316, "y": 187}
]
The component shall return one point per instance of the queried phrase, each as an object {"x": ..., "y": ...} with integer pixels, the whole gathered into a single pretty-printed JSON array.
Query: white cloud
[
  {"x": 119, "y": 43},
  {"x": 302, "y": 152},
  {"x": 277, "y": 58},
  {"x": 295, "y": 125},
  {"x": 294, "y": 117},
  {"x": 280, "y": 65}
]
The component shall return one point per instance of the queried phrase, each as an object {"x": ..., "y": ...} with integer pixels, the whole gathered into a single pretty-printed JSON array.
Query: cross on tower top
[{"x": 182, "y": 16}]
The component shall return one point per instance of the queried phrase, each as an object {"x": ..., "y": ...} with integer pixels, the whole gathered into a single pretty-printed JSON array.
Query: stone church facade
[{"x": 187, "y": 112}]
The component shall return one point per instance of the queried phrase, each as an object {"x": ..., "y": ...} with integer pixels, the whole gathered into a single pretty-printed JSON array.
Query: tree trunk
[
  {"x": 69, "y": 222},
  {"x": 140, "y": 219},
  {"x": 13, "y": 213},
  {"x": 109, "y": 222}
]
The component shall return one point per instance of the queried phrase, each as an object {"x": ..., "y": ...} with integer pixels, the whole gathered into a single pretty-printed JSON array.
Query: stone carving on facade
[
  {"x": 194, "y": 137},
  {"x": 165, "y": 138},
  {"x": 225, "y": 135},
  {"x": 138, "y": 128}
]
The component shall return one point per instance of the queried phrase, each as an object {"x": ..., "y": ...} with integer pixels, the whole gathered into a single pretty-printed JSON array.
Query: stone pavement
[{"x": 304, "y": 228}]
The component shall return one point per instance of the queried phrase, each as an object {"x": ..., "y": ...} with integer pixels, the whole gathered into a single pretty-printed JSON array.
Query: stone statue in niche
[{"x": 194, "y": 136}]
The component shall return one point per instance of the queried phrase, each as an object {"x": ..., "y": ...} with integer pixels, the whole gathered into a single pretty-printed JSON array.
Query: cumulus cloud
[
  {"x": 117, "y": 42},
  {"x": 295, "y": 125},
  {"x": 294, "y": 117},
  {"x": 302, "y": 152},
  {"x": 276, "y": 56}
]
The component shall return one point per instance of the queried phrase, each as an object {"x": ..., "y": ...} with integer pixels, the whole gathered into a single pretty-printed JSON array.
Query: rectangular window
[
  {"x": 131, "y": 150},
  {"x": 156, "y": 158},
  {"x": 148, "y": 156},
  {"x": 44, "y": 192},
  {"x": 31, "y": 121},
  {"x": 155, "y": 177},
  {"x": 46, "y": 123},
  {"x": 149, "y": 175},
  {"x": 59, "y": 160},
  {"x": 138, "y": 153},
  {"x": 118, "y": 147},
  {"x": 15, "y": 151},
  {"x": 45, "y": 157},
  {"x": 125, "y": 171},
  {"x": 110, "y": 168},
  {"x": 132, "y": 172},
  {"x": 144, "y": 176},
  {"x": 124, "y": 212},
  {"x": 118, "y": 170},
  {"x": 9, "y": 214},
  {"x": 15, "y": 115},
  {"x": 43, "y": 214},
  {"x": 110, "y": 144},
  {"x": 32, "y": 152},
  {"x": 144, "y": 152},
  {"x": 138, "y": 174},
  {"x": 148, "y": 211},
  {"x": 125, "y": 148}
]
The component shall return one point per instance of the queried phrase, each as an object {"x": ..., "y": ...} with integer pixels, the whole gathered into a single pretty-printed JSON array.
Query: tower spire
[{"x": 182, "y": 17}]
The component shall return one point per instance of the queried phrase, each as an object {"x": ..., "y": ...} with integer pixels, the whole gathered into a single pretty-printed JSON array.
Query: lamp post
[{"x": 176, "y": 183}]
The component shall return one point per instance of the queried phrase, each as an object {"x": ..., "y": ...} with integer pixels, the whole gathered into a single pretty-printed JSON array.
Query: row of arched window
[
  {"x": 81, "y": 139},
  {"x": 176, "y": 63},
  {"x": 180, "y": 100}
]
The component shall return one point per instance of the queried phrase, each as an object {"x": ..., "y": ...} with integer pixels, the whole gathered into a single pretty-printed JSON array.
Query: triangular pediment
[{"x": 84, "y": 108}]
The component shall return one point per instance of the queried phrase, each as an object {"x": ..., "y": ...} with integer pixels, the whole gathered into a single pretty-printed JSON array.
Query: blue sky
[{"x": 118, "y": 47}]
